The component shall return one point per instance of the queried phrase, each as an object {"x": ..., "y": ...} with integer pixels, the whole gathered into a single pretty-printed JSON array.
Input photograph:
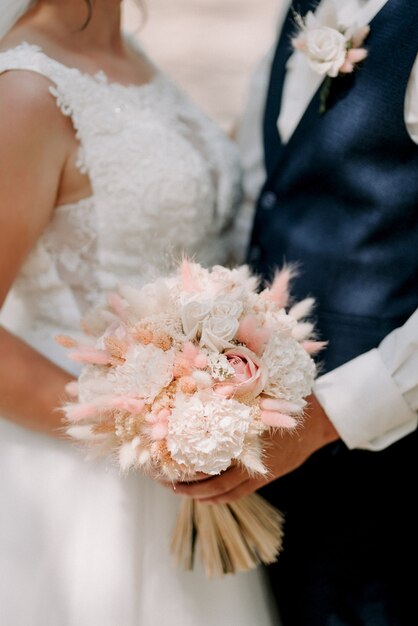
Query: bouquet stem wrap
[{"x": 230, "y": 538}]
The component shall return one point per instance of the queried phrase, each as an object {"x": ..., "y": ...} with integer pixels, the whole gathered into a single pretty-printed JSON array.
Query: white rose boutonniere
[{"x": 331, "y": 50}]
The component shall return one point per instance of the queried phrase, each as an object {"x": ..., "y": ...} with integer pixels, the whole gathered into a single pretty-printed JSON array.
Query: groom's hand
[{"x": 284, "y": 452}]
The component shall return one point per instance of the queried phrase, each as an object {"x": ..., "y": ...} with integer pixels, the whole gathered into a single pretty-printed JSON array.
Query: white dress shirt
[{"x": 373, "y": 399}]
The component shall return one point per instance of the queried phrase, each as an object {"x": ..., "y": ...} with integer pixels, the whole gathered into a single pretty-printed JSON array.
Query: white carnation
[
  {"x": 145, "y": 373},
  {"x": 291, "y": 371},
  {"x": 206, "y": 436}
]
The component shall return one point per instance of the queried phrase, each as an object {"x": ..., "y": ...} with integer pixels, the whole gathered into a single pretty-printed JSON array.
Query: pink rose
[{"x": 249, "y": 378}]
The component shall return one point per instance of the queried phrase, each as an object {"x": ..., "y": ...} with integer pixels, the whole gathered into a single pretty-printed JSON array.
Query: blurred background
[{"x": 210, "y": 47}]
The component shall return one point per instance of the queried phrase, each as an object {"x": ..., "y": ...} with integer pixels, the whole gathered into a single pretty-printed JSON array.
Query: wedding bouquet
[{"x": 181, "y": 378}]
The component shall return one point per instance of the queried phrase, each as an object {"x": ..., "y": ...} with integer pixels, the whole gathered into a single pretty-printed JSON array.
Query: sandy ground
[{"x": 209, "y": 46}]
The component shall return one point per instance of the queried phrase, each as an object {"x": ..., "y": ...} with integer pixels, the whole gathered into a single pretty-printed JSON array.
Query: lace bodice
[{"x": 165, "y": 181}]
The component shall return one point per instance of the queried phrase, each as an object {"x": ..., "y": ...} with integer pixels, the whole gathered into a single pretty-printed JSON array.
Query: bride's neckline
[{"x": 100, "y": 77}]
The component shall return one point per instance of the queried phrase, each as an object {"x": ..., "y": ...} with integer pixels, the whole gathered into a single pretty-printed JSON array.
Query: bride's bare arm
[{"x": 35, "y": 140}]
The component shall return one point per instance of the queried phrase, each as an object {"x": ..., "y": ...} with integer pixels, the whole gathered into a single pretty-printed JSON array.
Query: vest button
[
  {"x": 255, "y": 254},
  {"x": 268, "y": 200}
]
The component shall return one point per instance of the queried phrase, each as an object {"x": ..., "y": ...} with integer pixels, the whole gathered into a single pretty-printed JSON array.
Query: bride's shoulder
[
  {"x": 27, "y": 109},
  {"x": 24, "y": 90},
  {"x": 24, "y": 86}
]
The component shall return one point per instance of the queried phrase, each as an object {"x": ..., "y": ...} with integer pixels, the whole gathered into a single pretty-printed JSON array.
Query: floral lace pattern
[{"x": 165, "y": 181}]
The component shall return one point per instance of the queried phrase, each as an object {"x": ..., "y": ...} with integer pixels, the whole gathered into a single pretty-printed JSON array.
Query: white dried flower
[
  {"x": 290, "y": 369},
  {"x": 227, "y": 307},
  {"x": 207, "y": 435},
  {"x": 217, "y": 332},
  {"x": 145, "y": 373},
  {"x": 219, "y": 366},
  {"x": 92, "y": 384},
  {"x": 228, "y": 282},
  {"x": 192, "y": 315}
]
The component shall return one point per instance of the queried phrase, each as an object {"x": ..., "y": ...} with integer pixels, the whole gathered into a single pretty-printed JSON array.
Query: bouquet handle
[{"x": 230, "y": 538}]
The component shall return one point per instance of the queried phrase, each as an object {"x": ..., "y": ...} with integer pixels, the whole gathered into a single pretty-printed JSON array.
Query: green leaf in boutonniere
[{"x": 324, "y": 95}]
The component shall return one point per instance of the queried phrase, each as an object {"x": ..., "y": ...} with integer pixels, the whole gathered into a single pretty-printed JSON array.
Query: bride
[{"x": 107, "y": 172}]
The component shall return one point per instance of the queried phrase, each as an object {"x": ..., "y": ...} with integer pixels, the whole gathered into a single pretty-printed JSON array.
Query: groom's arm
[
  {"x": 370, "y": 402},
  {"x": 373, "y": 399}
]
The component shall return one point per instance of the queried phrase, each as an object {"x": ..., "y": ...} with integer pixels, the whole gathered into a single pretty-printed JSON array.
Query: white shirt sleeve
[
  {"x": 373, "y": 399},
  {"x": 411, "y": 104}
]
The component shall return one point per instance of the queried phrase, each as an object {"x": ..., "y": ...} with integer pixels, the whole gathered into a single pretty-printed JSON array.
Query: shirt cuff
[{"x": 364, "y": 403}]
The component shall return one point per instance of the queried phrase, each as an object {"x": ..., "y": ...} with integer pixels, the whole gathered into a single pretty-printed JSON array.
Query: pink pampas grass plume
[
  {"x": 194, "y": 356},
  {"x": 89, "y": 356},
  {"x": 302, "y": 331},
  {"x": 279, "y": 289},
  {"x": 119, "y": 306},
  {"x": 81, "y": 412},
  {"x": 278, "y": 420},
  {"x": 251, "y": 335},
  {"x": 281, "y": 406},
  {"x": 302, "y": 309},
  {"x": 65, "y": 341},
  {"x": 131, "y": 405},
  {"x": 313, "y": 347},
  {"x": 189, "y": 283}
]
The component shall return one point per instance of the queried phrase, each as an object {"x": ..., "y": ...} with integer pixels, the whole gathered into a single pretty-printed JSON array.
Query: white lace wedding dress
[{"x": 79, "y": 544}]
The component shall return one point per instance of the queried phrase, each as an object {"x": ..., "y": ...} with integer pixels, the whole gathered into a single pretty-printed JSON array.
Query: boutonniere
[{"x": 331, "y": 50}]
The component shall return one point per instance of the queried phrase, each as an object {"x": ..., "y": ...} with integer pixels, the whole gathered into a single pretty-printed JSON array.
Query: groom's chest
[{"x": 382, "y": 79}]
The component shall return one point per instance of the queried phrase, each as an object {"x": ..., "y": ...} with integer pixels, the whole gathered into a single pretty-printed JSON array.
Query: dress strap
[{"x": 64, "y": 84}]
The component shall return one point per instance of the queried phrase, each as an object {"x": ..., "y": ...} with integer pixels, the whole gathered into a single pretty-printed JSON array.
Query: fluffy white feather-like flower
[
  {"x": 145, "y": 373},
  {"x": 291, "y": 371},
  {"x": 93, "y": 384},
  {"x": 220, "y": 367},
  {"x": 206, "y": 435}
]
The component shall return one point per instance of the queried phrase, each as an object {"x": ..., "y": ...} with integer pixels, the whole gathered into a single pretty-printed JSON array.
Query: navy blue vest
[{"x": 341, "y": 197}]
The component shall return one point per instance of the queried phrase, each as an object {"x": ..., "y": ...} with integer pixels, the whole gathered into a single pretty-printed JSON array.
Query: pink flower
[
  {"x": 249, "y": 378},
  {"x": 354, "y": 56}
]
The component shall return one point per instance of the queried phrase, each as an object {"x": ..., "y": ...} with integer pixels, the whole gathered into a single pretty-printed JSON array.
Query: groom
[{"x": 341, "y": 200}]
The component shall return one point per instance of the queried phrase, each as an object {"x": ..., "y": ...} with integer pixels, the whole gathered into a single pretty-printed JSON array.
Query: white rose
[
  {"x": 326, "y": 49},
  {"x": 217, "y": 332},
  {"x": 192, "y": 315},
  {"x": 227, "y": 308}
]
